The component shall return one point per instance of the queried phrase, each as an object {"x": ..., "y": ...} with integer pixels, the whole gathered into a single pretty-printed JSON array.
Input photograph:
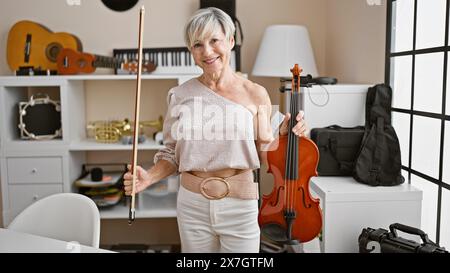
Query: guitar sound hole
[{"x": 52, "y": 51}]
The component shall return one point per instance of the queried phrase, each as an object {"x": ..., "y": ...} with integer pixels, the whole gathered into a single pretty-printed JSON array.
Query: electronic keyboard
[{"x": 169, "y": 60}]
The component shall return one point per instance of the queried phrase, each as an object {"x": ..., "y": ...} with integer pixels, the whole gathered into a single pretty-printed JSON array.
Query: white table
[
  {"x": 349, "y": 206},
  {"x": 18, "y": 242}
]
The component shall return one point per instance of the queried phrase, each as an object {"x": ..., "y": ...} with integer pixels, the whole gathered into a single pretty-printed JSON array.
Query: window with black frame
[{"x": 417, "y": 48}]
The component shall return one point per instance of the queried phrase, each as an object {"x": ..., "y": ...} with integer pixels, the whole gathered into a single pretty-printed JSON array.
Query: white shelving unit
[
  {"x": 30, "y": 170},
  {"x": 148, "y": 207},
  {"x": 92, "y": 145}
]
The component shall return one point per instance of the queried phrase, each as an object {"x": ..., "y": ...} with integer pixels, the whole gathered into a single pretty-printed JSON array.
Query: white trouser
[{"x": 225, "y": 225}]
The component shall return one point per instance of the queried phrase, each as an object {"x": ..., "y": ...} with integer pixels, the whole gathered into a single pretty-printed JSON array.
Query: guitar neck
[{"x": 110, "y": 62}]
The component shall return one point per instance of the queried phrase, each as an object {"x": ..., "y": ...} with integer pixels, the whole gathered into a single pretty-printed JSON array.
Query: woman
[{"x": 214, "y": 132}]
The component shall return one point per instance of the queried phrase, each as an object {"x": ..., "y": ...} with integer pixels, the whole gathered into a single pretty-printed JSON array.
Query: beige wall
[
  {"x": 256, "y": 15},
  {"x": 342, "y": 33},
  {"x": 355, "y": 41}
]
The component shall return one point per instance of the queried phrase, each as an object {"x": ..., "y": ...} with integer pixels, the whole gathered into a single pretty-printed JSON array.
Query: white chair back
[{"x": 63, "y": 216}]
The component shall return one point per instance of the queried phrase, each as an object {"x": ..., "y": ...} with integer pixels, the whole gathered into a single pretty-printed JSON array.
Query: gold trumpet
[{"x": 111, "y": 131}]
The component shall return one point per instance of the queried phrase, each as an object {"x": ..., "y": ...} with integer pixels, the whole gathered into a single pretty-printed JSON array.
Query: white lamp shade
[{"x": 282, "y": 47}]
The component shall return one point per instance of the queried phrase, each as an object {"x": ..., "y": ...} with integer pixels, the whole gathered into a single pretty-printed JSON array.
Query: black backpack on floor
[{"x": 379, "y": 162}]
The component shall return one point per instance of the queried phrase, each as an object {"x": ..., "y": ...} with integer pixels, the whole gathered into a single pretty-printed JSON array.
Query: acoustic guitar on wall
[
  {"x": 70, "y": 62},
  {"x": 31, "y": 44}
]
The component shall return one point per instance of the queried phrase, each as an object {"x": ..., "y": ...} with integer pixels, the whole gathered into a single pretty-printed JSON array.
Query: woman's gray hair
[{"x": 205, "y": 22}]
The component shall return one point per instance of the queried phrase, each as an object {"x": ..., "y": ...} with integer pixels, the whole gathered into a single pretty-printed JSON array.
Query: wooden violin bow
[{"x": 132, "y": 209}]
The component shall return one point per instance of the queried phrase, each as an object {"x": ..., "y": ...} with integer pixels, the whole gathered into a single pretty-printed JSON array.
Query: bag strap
[
  {"x": 335, "y": 126},
  {"x": 375, "y": 170}
]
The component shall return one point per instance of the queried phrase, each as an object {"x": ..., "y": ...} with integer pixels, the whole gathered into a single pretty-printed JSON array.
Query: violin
[{"x": 289, "y": 213}]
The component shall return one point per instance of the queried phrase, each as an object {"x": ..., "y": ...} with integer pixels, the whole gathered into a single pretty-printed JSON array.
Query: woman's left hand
[{"x": 299, "y": 129}]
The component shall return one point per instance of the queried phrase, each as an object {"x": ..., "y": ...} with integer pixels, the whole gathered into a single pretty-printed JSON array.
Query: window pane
[
  {"x": 401, "y": 71},
  {"x": 428, "y": 82},
  {"x": 430, "y": 23},
  {"x": 445, "y": 219},
  {"x": 446, "y": 165},
  {"x": 425, "y": 145},
  {"x": 402, "y": 25},
  {"x": 400, "y": 122},
  {"x": 447, "y": 106},
  {"x": 429, "y": 205}
]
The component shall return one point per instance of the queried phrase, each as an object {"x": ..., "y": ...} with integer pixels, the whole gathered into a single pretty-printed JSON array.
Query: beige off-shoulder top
[{"x": 204, "y": 131}]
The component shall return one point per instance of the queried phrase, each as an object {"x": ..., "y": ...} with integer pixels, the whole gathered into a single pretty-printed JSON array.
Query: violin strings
[
  {"x": 288, "y": 157},
  {"x": 291, "y": 152},
  {"x": 297, "y": 159},
  {"x": 295, "y": 151},
  {"x": 289, "y": 162},
  {"x": 292, "y": 175}
]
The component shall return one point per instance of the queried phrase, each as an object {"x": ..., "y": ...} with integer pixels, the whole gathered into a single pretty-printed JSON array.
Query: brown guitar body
[
  {"x": 32, "y": 44},
  {"x": 70, "y": 62}
]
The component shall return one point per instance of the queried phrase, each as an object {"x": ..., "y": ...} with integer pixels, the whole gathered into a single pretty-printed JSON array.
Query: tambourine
[{"x": 40, "y": 118}]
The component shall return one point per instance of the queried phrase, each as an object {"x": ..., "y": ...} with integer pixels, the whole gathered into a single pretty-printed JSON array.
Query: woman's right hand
[{"x": 142, "y": 180}]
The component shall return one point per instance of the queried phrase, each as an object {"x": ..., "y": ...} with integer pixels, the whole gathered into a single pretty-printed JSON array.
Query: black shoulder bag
[{"x": 379, "y": 162}]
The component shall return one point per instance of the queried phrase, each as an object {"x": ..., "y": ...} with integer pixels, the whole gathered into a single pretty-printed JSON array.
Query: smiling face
[{"x": 212, "y": 54}]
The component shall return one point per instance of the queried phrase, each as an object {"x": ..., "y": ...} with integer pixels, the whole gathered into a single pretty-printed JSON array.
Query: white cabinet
[
  {"x": 30, "y": 179},
  {"x": 21, "y": 196},
  {"x": 349, "y": 206},
  {"x": 31, "y": 169},
  {"x": 341, "y": 104},
  {"x": 24, "y": 170},
  {"x": 324, "y": 105}
]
